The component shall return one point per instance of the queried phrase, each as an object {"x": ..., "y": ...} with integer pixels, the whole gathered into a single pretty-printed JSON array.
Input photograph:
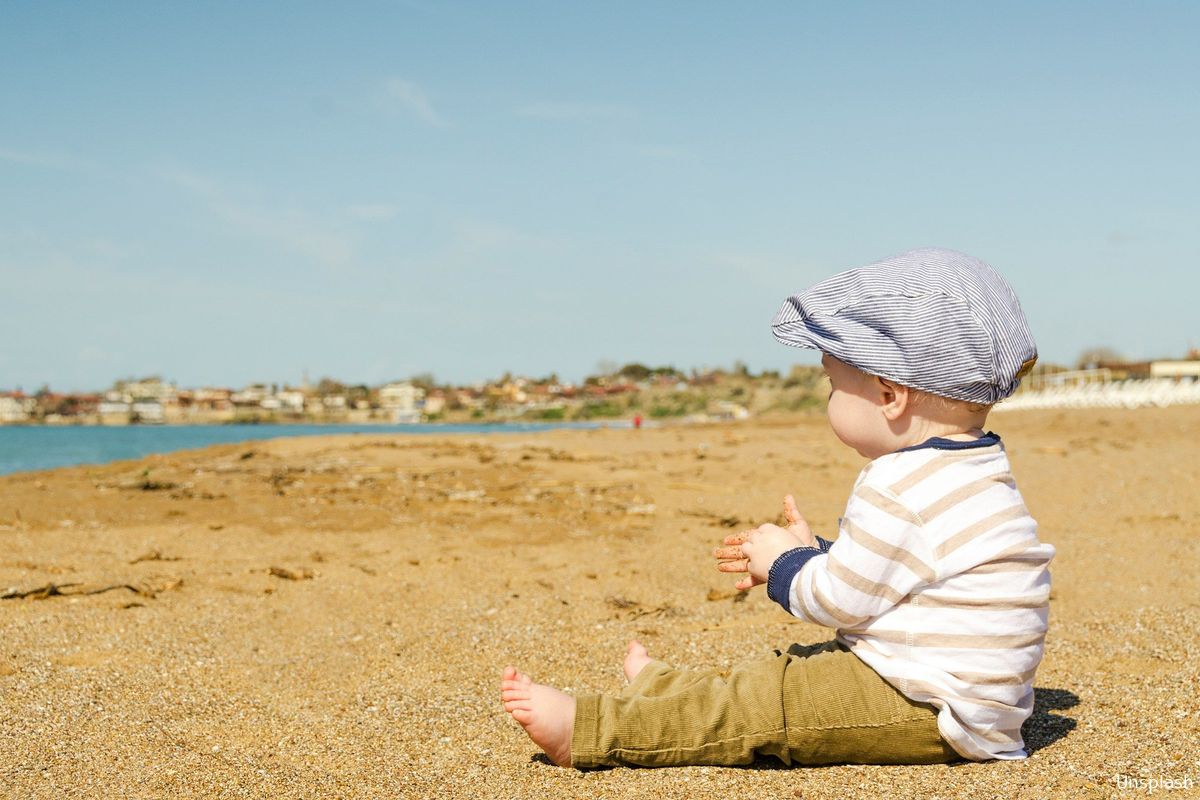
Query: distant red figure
[{"x": 637, "y": 420}]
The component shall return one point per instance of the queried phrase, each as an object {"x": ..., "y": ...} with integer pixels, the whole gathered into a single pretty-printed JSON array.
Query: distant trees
[
  {"x": 635, "y": 372},
  {"x": 424, "y": 380},
  {"x": 358, "y": 394},
  {"x": 328, "y": 386},
  {"x": 1094, "y": 357}
]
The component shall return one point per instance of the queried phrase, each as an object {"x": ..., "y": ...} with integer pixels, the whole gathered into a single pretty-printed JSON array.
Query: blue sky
[{"x": 228, "y": 192}]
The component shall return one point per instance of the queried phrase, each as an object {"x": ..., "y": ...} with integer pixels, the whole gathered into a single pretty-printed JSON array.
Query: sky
[{"x": 222, "y": 193}]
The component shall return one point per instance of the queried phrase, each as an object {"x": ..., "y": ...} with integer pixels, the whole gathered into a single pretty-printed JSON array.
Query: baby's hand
[
  {"x": 796, "y": 524},
  {"x": 755, "y": 551},
  {"x": 763, "y": 545},
  {"x": 731, "y": 558}
]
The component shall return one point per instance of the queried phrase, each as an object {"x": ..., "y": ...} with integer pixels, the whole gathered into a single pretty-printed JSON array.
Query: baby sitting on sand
[{"x": 937, "y": 585}]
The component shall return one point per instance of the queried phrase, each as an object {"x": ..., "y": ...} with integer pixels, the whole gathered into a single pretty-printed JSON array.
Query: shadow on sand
[{"x": 1044, "y": 728}]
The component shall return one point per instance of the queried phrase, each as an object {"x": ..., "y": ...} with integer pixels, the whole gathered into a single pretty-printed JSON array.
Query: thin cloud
[
  {"x": 43, "y": 158},
  {"x": 190, "y": 180},
  {"x": 92, "y": 353},
  {"x": 663, "y": 152},
  {"x": 485, "y": 246},
  {"x": 290, "y": 229},
  {"x": 480, "y": 236},
  {"x": 409, "y": 97},
  {"x": 574, "y": 111},
  {"x": 768, "y": 272},
  {"x": 105, "y": 248},
  {"x": 374, "y": 212}
]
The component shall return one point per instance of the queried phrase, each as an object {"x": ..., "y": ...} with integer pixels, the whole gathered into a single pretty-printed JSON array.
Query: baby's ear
[
  {"x": 887, "y": 388},
  {"x": 894, "y": 397}
]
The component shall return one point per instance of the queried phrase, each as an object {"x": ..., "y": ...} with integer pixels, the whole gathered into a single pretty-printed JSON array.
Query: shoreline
[
  {"x": 374, "y": 422},
  {"x": 45, "y": 448}
]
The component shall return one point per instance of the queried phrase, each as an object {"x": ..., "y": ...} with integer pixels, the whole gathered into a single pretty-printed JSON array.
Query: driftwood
[
  {"x": 298, "y": 574},
  {"x": 61, "y": 590},
  {"x": 153, "y": 555},
  {"x": 637, "y": 610},
  {"x": 725, "y": 521}
]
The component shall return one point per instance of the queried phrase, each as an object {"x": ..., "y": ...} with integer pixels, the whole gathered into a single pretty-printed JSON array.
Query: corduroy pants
[{"x": 813, "y": 704}]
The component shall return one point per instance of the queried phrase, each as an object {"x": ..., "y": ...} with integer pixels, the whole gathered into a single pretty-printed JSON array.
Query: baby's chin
[{"x": 868, "y": 450}]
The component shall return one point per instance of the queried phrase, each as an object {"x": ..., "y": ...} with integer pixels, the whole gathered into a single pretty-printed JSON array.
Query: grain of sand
[{"x": 328, "y": 617}]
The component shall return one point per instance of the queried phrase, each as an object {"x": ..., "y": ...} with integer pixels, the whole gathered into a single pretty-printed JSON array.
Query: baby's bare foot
[
  {"x": 546, "y": 714},
  {"x": 636, "y": 657}
]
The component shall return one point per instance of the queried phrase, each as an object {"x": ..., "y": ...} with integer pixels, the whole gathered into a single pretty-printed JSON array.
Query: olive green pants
[{"x": 814, "y": 704}]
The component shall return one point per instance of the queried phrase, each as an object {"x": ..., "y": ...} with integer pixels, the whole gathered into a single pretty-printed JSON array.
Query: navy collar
[{"x": 938, "y": 443}]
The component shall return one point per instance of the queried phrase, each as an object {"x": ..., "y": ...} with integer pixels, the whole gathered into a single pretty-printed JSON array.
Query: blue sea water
[{"x": 25, "y": 448}]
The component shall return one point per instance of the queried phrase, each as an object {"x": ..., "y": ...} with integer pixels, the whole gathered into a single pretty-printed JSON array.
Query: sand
[{"x": 329, "y": 617}]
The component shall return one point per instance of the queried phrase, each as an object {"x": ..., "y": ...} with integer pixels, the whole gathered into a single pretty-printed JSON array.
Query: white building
[
  {"x": 402, "y": 400},
  {"x": 435, "y": 404},
  {"x": 252, "y": 395},
  {"x": 112, "y": 410},
  {"x": 145, "y": 389},
  {"x": 1175, "y": 369},
  {"x": 332, "y": 402},
  {"x": 727, "y": 409},
  {"x": 291, "y": 400},
  {"x": 148, "y": 411},
  {"x": 16, "y": 408}
]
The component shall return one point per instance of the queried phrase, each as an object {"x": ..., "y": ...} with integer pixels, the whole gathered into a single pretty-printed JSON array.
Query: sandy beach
[{"x": 328, "y": 617}]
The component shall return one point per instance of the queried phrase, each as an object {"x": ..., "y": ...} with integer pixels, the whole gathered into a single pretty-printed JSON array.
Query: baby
[{"x": 937, "y": 585}]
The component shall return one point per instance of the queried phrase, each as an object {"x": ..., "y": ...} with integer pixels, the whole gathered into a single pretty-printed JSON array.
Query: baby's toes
[{"x": 515, "y": 691}]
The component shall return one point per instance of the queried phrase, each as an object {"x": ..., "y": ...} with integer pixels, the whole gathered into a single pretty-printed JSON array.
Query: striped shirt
[{"x": 938, "y": 582}]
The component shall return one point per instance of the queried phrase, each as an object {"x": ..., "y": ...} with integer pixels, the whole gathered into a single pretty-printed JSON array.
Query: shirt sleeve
[
  {"x": 783, "y": 571},
  {"x": 880, "y": 557}
]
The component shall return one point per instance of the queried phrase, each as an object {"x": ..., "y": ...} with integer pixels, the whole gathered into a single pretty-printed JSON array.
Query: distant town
[
  {"x": 632, "y": 391},
  {"x": 629, "y": 391}
]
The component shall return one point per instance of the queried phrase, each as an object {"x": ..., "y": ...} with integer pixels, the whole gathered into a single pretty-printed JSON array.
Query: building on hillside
[
  {"x": 16, "y": 407},
  {"x": 435, "y": 402},
  {"x": 1175, "y": 369},
  {"x": 113, "y": 409},
  {"x": 402, "y": 401},
  {"x": 332, "y": 403},
  {"x": 252, "y": 395},
  {"x": 291, "y": 400},
  {"x": 466, "y": 398},
  {"x": 147, "y": 412},
  {"x": 152, "y": 388},
  {"x": 728, "y": 410},
  {"x": 83, "y": 405},
  {"x": 212, "y": 399}
]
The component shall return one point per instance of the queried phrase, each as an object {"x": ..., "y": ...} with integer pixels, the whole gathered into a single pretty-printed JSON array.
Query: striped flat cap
[{"x": 932, "y": 319}]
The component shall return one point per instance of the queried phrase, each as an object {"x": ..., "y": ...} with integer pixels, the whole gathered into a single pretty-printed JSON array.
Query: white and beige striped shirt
[{"x": 937, "y": 581}]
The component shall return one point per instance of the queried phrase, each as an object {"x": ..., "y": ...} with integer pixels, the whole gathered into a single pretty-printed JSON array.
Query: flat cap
[{"x": 933, "y": 319}]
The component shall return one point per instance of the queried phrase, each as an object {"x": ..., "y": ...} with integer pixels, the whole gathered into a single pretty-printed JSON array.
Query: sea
[{"x": 25, "y": 448}]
